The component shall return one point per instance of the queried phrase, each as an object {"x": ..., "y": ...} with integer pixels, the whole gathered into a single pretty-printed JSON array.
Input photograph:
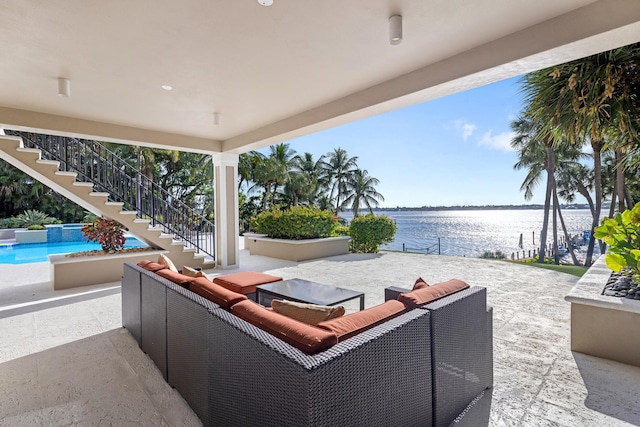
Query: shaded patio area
[{"x": 65, "y": 359}]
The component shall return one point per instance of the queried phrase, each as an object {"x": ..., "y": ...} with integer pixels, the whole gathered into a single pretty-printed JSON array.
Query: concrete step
[
  {"x": 65, "y": 173},
  {"x": 28, "y": 150},
  {"x": 54, "y": 163}
]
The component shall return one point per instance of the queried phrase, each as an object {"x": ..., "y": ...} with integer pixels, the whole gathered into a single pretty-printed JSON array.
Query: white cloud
[
  {"x": 463, "y": 128},
  {"x": 502, "y": 141},
  {"x": 467, "y": 130}
]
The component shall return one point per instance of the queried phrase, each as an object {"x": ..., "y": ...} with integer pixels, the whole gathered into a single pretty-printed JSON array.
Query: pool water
[{"x": 38, "y": 252}]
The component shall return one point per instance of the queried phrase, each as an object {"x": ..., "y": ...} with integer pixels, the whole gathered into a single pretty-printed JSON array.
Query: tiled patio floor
[{"x": 65, "y": 359}]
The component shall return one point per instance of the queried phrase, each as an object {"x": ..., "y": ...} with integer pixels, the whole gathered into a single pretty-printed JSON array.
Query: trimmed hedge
[
  {"x": 296, "y": 223},
  {"x": 368, "y": 232}
]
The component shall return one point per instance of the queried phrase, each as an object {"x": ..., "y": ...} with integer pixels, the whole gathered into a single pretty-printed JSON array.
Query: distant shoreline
[{"x": 480, "y": 208}]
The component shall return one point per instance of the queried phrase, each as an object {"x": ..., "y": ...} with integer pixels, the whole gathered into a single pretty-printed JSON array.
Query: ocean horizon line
[{"x": 482, "y": 207}]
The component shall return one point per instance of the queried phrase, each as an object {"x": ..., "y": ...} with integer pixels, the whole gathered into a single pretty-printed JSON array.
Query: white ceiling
[{"x": 272, "y": 72}]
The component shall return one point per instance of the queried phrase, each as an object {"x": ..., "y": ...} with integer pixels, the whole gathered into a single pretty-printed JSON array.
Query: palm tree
[
  {"x": 536, "y": 153},
  {"x": 307, "y": 177},
  {"x": 339, "y": 168},
  {"x": 272, "y": 172},
  {"x": 361, "y": 190},
  {"x": 584, "y": 100}
]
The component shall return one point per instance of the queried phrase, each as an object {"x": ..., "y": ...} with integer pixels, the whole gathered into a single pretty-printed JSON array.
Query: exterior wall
[
  {"x": 299, "y": 250},
  {"x": 601, "y": 325},
  {"x": 605, "y": 333},
  {"x": 83, "y": 271},
  {"x": 31, "y": 236}
]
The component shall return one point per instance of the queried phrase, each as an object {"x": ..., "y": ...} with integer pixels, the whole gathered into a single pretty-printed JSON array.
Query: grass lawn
[{"x": 569, "y": 269}]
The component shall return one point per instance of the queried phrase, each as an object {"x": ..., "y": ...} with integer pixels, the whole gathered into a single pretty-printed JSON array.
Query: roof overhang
[{"x": 272, "y": 73}]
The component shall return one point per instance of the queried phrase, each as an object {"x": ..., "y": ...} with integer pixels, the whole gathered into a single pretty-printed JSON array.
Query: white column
[{"x": 225, "y": 179}]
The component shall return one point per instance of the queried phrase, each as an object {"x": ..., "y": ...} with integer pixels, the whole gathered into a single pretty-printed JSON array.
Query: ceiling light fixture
[
  {"x": 395, "y": 29},
  {"x": 265, "y": 2},
  {"x": 216, "y": 119},
  {"x": 64, "y": 87},
  {"x": 167, "y": 87}
]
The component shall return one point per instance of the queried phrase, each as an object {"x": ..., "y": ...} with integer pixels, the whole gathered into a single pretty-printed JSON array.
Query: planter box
[
  {"x": 249, "y": 238},
  {"x": 92, "y": 270},
  {"x": 603, "y": 326},
  {"x": 31, "y": 236},
  {"x": 299, "y": 250}
]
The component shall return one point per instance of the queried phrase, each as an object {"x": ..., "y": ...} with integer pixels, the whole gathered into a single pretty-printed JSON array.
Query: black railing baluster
[{"x": 95, "y": 163}]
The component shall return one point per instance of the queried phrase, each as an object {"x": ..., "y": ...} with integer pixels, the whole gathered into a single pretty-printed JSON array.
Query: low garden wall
[
  {"x": 68, "y": 272},
  {"x": 601, "y": 325},
  {"x": 298, "y": 250}
]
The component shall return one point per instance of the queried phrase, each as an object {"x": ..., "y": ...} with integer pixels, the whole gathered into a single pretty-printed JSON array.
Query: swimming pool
[{"x": 38, "y": 252}]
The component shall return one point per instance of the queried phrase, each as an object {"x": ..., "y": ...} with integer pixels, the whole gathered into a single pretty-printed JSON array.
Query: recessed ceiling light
[
  {"x": 265, "y": 2},
  {"x": 167, "y": 87}
]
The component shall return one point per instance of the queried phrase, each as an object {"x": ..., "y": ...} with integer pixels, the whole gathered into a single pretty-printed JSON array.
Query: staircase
[{"x": 90, "y": 175}]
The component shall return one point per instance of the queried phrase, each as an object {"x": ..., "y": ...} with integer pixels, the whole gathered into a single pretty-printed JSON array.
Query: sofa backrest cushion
[
  {"x": 347, "y": 326},
  {"x": 306, "y": 338},
  {"x": 151, "y": 266},
  {"x": 177, "y": 278},
  {"x": 431, "y": 293},
  {"x": 215, "y": 293}
]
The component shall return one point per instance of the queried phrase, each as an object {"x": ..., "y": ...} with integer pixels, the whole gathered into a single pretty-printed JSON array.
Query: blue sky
[{"x": 446, "y": 152}]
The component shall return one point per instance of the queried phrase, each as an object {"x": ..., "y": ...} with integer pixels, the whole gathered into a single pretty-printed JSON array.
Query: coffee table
[{"x": 300, "y": 290}]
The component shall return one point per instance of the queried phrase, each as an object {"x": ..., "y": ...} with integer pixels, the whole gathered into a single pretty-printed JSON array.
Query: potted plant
[
  {"x": 622, "y": 234},
  {"x": 107, "y": 232}
]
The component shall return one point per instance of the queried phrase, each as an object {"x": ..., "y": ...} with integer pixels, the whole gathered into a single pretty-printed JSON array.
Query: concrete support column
[{"x": 225, "y": 178}]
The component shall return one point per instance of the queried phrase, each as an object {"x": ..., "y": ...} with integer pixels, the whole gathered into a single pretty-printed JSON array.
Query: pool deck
[{"x": 66, "y": 360}]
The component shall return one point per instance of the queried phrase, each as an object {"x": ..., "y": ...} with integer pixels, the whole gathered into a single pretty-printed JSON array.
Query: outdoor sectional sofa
[{"x": 423, "y": 366}]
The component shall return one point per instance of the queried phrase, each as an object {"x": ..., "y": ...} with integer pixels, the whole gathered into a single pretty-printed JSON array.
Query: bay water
[{"x": 472, "y": 232}]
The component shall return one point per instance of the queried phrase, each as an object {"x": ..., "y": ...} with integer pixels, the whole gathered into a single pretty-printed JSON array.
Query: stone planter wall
[
  {"x": 603, "y": 326},
  {"x": 299, "y": 250},
  {"x": 31, "y": 236},
  {"x": 92, "y": 270}
]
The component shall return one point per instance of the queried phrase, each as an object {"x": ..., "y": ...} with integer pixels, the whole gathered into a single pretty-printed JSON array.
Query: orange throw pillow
[
  {"x": 151, "y": 266},
  {"x": 420, "y": 284},
  {"x": 426, "y": 295}
]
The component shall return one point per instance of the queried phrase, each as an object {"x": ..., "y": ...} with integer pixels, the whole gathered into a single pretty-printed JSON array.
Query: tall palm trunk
[
  {"x": 547, "y": 202},
  {"x": 567, "y": 238},
  {"x": 556, "y": 255},
  {"x": 597, "y": 184},
  {"x": 620, "y": 181}
]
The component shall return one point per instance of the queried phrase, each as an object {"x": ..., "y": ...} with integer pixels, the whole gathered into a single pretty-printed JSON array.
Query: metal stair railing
[{"x": 94, "y": 163}]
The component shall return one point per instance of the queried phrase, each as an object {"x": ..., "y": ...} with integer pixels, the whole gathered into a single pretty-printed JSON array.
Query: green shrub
[
  {"x": 8, "y": 223},
  {"x": 296, "y": 223},
  {"x": 35, "y": 227},
  {"x": 622, "y": 234},
  {"x": 341, "y": 230},
  {"x": 107, "y": 232},
  {"x": 369, "y": 232},
  {"x": 493, "y": 255},
  {"x": 33, "y": 217}
]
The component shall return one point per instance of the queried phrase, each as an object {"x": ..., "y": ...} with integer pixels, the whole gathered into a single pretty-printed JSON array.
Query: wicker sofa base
[{"x": 415, "y": 369}]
